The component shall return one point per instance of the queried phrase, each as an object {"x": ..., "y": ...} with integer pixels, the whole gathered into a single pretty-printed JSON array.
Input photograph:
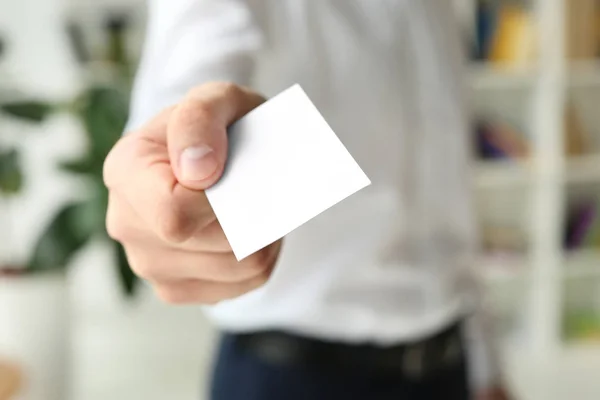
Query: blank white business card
[{"x": 285, "y": 166}]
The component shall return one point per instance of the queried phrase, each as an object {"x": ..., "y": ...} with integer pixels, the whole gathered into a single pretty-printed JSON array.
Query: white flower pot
[{"x": 34, "y": 332}]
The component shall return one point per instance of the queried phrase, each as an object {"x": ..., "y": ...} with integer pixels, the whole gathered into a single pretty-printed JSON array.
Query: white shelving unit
[
  {"x": 486, "y": 77},
  {"x": 507, "y": 174},
  {"x": 584, "y": 73},
  {"x": 538, "y": 92},
  {"x": 582, "y": 264}
]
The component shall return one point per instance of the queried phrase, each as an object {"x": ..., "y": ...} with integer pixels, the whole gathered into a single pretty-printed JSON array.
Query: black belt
[{"x": 416, "y": 359}]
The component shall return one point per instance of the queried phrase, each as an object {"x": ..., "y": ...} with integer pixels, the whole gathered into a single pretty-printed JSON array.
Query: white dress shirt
[{"x": 391, "y": 263}]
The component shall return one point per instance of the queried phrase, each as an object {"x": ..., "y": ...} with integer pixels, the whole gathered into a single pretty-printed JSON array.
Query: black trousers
[{"x": 242, "y": 375}]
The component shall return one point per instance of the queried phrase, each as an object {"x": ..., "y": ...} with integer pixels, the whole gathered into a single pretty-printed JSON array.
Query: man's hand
[{"x": 158, "y": 210}]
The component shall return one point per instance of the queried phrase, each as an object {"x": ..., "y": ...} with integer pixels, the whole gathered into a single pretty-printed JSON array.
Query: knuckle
[
  {"x": 119, "y": 160},
  {"x": 199, "y": 91},
  {"x": 202, "y": 111},
  {"x": 224, "y": 87},
  {"x": 192, "y": 113},
  {"x": 229, "y": 89}
]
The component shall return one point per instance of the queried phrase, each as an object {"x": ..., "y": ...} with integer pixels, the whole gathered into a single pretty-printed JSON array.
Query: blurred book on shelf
[
  {"x": 582, "y": 29},
  {"x": 500, "y": 140},
  {"x": 503, "y": 240},
  {"x": 503, "y": 252},
  {"x": 504, "y": 33},
  {"x": 581, "y": 219},
  {"x": 581, "y": 310},
  {"x": 582, "y": 228},
  {"x": 582, "y": 325},
  {"x": 485, "y": 23},
  {"x": 504, "y": 243},
  {"x": 577, "y": 138}
]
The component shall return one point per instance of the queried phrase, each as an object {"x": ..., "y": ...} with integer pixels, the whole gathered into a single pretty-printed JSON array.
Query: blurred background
[{"x": 65, "y": 70}]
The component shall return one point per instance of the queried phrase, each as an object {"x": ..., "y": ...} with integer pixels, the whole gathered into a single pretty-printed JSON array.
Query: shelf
[
  {"x": 513, "y": 173},
  {"x": 582, "y": 351},
  {"x": 503, "y": 173},
  {"x": 503, "y": 269},
  {"x": 583, "y": 169},
  {"x": 485, "y": 76},
  {"x": 584, "y": 73},
  {"x": 582, "y": 264}
]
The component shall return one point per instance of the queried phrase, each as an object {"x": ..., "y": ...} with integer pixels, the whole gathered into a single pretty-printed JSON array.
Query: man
[{"x": 369, "y": 300}]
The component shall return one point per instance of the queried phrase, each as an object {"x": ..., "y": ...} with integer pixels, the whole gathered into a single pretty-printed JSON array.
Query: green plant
[
  {"x": 11, "y": 174},
  {"x": 11, "y": 182},
  {"x": 102, "y": 111}
]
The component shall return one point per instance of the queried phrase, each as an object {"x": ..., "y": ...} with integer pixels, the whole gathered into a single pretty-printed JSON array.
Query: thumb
[{"x": 197, "y": 131}]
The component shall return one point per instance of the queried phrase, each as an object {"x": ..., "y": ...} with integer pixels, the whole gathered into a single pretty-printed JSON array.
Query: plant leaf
[
  {"x": 82, "y": 166},
  {"x": 30, "y": 111},
  {"x": 63, "y": 237},
  {"x": 104, "y": 114},
  {"x": 11, "y": 176},
  {"x": 129, "y": 281}
]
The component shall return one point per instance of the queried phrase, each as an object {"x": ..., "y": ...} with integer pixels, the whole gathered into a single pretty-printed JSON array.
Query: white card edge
[{"x": 241, "y": 256}]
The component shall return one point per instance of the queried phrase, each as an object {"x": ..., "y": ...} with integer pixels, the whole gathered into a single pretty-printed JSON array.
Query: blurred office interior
[{"x": 534, "y": 74}]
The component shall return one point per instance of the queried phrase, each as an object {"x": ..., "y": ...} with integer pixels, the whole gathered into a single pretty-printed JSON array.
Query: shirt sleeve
[{"x": 189, "y": 42}]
